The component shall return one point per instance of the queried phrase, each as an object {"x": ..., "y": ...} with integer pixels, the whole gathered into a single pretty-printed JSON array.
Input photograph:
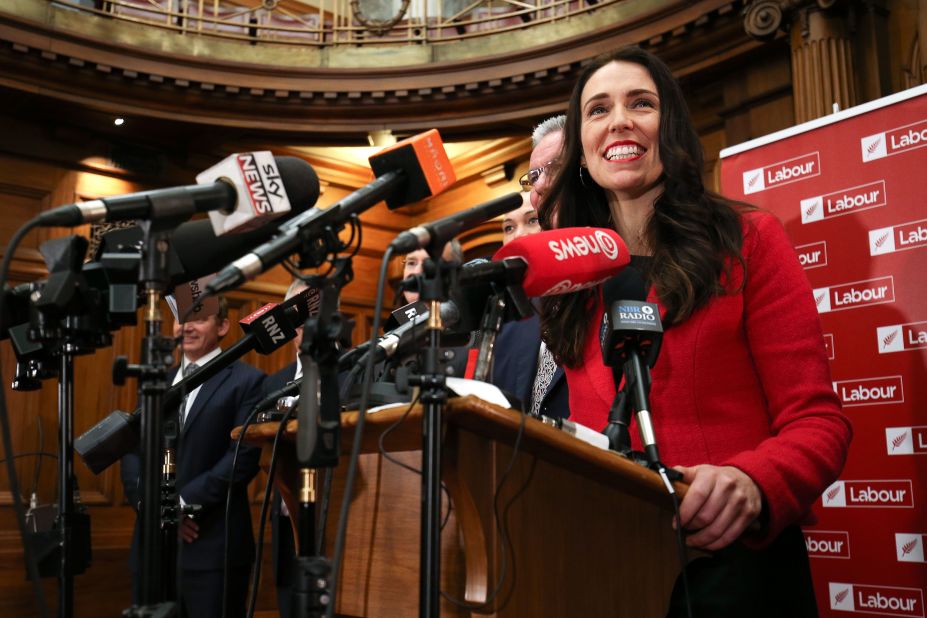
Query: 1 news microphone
[
  {"x": 433, "y": 236},
  {"x": 255, "y": 187},
  {"x": 411, "y": 170},
  {"x": 567, "y": 259}
]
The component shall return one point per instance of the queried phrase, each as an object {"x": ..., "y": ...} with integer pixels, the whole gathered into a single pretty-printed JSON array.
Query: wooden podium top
[{"x": 491, "y": 421}]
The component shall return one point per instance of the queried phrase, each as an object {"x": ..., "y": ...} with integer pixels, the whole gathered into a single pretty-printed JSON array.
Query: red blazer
[{"x": 743, "y": 382}]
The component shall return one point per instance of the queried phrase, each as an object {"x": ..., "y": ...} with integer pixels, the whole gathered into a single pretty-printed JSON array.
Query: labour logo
[
  {"x": 906, "y": 440},
  {"x": 909, "y": 547}
]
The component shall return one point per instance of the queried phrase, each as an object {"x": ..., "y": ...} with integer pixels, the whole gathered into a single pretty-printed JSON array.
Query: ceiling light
[{"x": 119, "y": 122}]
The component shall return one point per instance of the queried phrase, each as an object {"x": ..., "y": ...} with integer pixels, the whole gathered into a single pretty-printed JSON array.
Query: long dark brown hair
[{"x": 694, "y": 234}]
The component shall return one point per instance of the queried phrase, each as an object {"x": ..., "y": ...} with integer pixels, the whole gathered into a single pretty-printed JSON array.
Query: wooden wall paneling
[{"x": 757, "y": 101}]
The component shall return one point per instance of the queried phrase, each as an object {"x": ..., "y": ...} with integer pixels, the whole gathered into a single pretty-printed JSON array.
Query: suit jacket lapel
[{"x": 207, "y": 390}]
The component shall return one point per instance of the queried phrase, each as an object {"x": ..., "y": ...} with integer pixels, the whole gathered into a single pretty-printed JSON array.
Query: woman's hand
[{"x": 720, "y": 504}]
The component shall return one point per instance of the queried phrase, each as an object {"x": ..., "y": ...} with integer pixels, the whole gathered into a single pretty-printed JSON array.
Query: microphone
[
  {"x": 630, "y": 337},
  {"x": 405, "y": 313},
  {"x": 197, "y": 251},
  {"x": 260, "y": 192},
  {"x": 567, "y": 259},
  {"x": 433, "y": 236},
  {"x": 411, "y": 170},
  {"x": 256, "y": 186},
  {"x": 271, "y": 327},
  {"x": 401, "y": 337}
]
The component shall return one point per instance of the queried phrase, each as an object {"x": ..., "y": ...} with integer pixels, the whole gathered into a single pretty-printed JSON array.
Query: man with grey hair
[
  {"x": 523, "y": 365},
  {"x": 547, "y": 141}
]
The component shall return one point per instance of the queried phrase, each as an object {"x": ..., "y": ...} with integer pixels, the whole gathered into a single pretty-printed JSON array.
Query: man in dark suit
[
  {"x": 523, "y": 366},
  {"x": 204, "y": 467}
]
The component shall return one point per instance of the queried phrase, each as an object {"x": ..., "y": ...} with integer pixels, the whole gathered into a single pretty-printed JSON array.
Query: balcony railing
[{"x": 325, "y": 23}]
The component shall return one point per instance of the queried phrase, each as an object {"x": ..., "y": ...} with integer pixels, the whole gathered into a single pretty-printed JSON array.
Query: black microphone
[
  {"x": 300, "y": 185},
  {"x": 405, "y": 313},
  {"x": 409, "y": 171},
  {"x": 433, "y": 236},
  {"x": 401, "y": 337},
  {"x": 630, "y": 337}
]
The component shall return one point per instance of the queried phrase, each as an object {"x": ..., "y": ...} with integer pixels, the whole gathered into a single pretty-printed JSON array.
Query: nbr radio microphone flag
[{"x": 567, "y": 259}]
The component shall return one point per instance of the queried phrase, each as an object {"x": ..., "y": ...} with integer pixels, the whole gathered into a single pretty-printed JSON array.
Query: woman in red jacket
[{"x": 742, "y": 399}]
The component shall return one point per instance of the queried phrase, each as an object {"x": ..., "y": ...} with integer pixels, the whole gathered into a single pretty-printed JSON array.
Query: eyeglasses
[{"x": 529, "y": 179}]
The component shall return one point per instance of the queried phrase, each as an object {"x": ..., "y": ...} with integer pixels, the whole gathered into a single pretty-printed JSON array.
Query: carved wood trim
[{"x": 483, "y": 91}]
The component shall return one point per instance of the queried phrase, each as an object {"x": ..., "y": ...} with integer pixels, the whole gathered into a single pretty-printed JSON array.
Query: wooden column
[
  {"x": 822, "y": 50},
  {"x": 822, "y": 64}
]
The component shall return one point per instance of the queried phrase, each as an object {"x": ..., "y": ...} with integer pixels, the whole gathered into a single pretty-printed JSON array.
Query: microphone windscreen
[
  {"x": 627, "y": 285},
  {"x": 567, "y": 259},
  {"x": 423, "y": 161},
  {"x": 300, "y": 182},
  {"x": 197, "y": 250}
]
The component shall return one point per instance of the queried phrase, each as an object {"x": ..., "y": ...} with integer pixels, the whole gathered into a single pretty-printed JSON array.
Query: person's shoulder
[
  {"x": 287, "y": 372},
  {"x": 760, "y": 227},
  {"x": 243, "y": 370}
]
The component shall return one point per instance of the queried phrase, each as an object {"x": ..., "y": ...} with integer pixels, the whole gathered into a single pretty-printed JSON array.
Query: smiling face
[
  {"x": 200, "y": 337},
  {"x": 620, "y": 130}
]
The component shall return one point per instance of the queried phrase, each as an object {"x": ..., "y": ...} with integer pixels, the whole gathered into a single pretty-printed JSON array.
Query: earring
[{"x": 581, "y": 180}]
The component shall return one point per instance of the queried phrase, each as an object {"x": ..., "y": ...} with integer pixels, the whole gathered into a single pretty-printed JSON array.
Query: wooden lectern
[{"x": 572, "y": 531}]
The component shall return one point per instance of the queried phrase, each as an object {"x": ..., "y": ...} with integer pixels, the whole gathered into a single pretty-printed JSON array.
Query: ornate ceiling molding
[{"x": 463, "y": 96}]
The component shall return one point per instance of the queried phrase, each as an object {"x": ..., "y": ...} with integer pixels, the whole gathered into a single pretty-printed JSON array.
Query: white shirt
[{"x": 191, "y": 395}]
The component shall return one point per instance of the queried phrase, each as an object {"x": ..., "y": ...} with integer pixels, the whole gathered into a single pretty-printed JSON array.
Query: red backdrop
[{"x": 851, "y": 190}]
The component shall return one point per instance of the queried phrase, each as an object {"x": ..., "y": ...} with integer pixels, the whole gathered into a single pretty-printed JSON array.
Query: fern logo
[
  {"x": 873, "y": 147},
  {"x": 841, "y": 596},
  {"x": 812, "y": 209},
  {"x": 882, "y": 241},
  {"x": 835, "y": 495},
  {"x": 822, "y": 299},
  {"x": 902, "y": 337},
  {"x": 909, "y": 546},
  {"x": 899, "y": 441},
  {"x": 906, "y": 440},
  {"x": 753, "y": 181},
  {"x": 887, "y": 341}
]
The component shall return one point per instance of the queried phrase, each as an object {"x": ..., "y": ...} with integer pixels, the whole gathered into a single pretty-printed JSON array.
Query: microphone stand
[
  {"x": 64, "y": 320},
  {"x": 635, "y": 395},
  {"x": 433, "y": 397},
  {"x": 318, "y": 440},
  {"x": 152, "y": 374}
]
